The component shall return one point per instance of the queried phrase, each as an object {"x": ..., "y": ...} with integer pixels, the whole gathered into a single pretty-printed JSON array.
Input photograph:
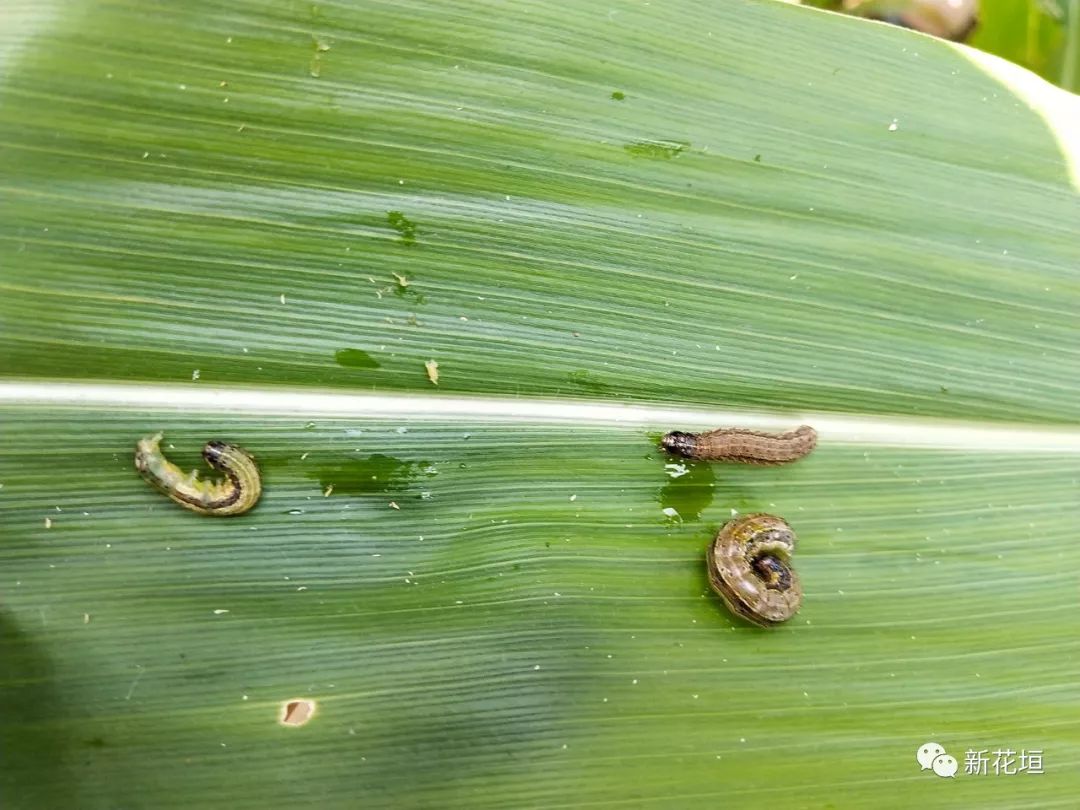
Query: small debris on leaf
[{"x": 432, "y": 371}]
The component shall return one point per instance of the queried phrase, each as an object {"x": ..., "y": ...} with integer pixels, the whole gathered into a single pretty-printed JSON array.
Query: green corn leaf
[{"x": 263, "y": 222}]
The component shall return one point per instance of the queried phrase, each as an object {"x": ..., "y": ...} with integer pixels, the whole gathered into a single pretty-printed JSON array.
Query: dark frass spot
[
  {"x": 376, "y": 473},
  {"x": 618, "y": 95},
  {"x": 656, "y": 150},
  {"x": 403, "y": 225},
  {"x": 757, "y": 158},
  {"x": 355, "y": 358},
  {"x": 692, "y": 492}
]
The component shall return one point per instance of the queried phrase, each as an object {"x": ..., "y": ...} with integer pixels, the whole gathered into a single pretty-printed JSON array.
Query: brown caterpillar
[
  {"x": 750, "y": 568},
  {"x": 737, "y": 444}
]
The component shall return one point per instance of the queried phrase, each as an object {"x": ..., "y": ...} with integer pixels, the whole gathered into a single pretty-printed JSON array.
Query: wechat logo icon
[{"x": 932, "y": 756}]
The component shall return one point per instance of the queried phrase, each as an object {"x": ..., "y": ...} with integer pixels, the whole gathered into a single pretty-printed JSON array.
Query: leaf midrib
[{"x": 894, "y": 431}]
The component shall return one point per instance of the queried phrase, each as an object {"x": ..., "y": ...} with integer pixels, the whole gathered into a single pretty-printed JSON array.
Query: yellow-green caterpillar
[{"x": 233, "y": 495}]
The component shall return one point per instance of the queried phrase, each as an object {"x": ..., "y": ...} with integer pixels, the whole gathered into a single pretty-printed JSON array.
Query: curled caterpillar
[
  {"x": 737, "y": 444},
  {"x": 750, "y": 568},
  {"x": 233, "y": 495}
]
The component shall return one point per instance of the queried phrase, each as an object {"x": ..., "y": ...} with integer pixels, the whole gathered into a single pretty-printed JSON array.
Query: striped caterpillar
[
  {"x": 233, "y": 495},
  {"x": 750, "y": 568},
  {"x": 737, "y": 444}
]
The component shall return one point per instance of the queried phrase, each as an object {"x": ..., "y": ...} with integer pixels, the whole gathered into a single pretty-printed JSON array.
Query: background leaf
[
  {"x": 741, "y": 206},
  {"x": 156, "y": 220}
]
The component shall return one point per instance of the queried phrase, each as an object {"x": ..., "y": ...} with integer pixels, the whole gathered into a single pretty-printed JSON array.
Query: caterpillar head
[{"x": 679, "y": 443}]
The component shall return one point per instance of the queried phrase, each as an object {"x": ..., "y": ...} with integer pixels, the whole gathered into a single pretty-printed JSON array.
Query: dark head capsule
[{"x": 680, "y": 443}]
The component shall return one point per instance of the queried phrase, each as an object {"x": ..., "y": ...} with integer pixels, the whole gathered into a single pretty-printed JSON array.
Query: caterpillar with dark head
[
  {"x": 749, "y": 565},
  {"x": 738, "y": 444},
  {"x": 233, "y": 495}
]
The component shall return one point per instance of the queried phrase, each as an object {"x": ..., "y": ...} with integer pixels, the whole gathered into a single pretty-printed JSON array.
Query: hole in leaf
[{"x": 296, "y": 712}]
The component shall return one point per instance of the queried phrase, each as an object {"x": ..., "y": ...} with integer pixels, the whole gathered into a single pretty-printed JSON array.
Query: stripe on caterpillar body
[
  {"x": 233, "y": 495},
  {"x": 737, "y": 444},
  {"x": 750, "y": 568}
]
